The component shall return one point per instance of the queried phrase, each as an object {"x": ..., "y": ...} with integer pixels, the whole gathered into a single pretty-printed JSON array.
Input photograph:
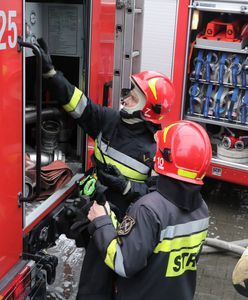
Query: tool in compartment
[
  {"x": 234, "y": 140},
  {"x": 210, "y": 65},
  {"x": 199, "y": 63},
  {"x": 235, "y": 69},
  {"x": 244, "y": 108},
  {"x": 217, "y": 102},
  {"x": 207, "y": 100},
  {"x": 218, "y": 29},
  {"x": 196, "y": 92},
  {"x": 231, "y": 114}
]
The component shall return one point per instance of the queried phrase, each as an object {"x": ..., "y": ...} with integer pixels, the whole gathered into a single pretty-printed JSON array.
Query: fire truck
[
  {"x": 97, "y": 45},
  {"x": 80, "y": 35},
  {"x": 210, "y": 76}
]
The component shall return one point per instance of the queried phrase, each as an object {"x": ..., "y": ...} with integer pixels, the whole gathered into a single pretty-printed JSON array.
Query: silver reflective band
[
  {"x": 122, "y": 158},
  {"x": 119, "y": 264},
  {"x": 184, "y": 229},
  {"x": 79, "y": 109}
]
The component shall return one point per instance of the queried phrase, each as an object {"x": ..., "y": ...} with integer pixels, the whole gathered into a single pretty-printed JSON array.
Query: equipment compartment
[
  {"x": 216, "y": 81},
  {"x": 62, "y": 25}
]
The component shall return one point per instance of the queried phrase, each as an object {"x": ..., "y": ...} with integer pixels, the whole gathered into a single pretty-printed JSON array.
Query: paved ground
[{"x": 228, "y": 206}]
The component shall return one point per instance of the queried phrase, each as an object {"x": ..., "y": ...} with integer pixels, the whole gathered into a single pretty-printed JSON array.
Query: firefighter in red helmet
[
  {"x": 156, "y": 96},
  {"x": 156, "y": 247},
  {"x": 124, "y": 148}
]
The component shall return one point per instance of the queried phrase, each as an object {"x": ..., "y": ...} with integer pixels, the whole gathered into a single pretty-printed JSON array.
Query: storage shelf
[
  {"x": 228, "y": 85},
  {"x": 211, "y": 120},
  {"x": 243, "y": 51},
  {"x": 218, "y": 161}
]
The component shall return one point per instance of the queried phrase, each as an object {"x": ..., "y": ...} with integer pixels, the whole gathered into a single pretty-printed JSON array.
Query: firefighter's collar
[{"x": 184, "y": 195}]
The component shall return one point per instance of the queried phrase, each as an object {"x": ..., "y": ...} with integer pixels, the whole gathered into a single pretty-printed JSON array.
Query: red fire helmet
[
  {"x": 183, "y": 152},
  {"x": 159, "y": 92}
]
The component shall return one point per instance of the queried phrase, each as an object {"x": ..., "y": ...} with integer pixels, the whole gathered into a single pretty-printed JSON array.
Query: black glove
[
  {"x": 99, "y": 194},
  {"x": 73, "y": 221},
  {"x": 47, "y": 64},
  {"x": 79, "y": 228},
  {"x": 112, "y": 178}
]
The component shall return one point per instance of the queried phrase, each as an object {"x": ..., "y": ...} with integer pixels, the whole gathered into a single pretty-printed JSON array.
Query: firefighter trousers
[{"x": 96, "y": 279}]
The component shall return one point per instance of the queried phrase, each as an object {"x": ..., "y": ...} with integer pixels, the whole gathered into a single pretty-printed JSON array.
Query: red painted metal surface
[
  {"x": 48, "y": 210},
  {"x": 225, "y": 173},
  {"x": 10, "y": 134},
  {"x": 179, "y": 58},
  {"x": 101, "y": 51},
  {"x": 228, "y": 174},
  {"x": 102, "y": 47}
]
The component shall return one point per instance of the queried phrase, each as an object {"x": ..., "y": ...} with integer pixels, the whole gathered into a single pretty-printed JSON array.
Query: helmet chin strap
[{"x": 133, "y": 118}]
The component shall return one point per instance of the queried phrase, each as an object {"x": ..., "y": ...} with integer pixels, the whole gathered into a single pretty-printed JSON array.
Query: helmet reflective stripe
[
  {"x": 186, "y": 174},
  {"x": 77, "y": 104},
  {"x": 152, "y": 85},
  {"x": 166, "y": 131},
  {"x": 184, "y": 229}
]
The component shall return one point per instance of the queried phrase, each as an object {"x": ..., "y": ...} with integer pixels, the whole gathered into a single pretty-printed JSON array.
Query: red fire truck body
[
  {"x": 19, "y": 274},
  {"x": 201, "y": 26},
  {"x": 84, "y": 38},
  {"x": 11, "y": 134}
]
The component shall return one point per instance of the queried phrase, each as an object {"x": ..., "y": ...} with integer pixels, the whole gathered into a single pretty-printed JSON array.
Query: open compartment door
[{"x": 10, "y": 134}]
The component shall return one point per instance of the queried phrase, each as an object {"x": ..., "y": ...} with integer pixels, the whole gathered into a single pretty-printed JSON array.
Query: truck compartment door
[{"x": 10, "y": 134}]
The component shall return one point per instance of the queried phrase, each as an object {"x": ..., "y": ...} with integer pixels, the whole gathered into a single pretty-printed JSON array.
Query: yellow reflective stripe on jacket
[
  {"x": 74, "y": 100},
  {"x": 184, "y": 229},
  {"x": 113, "y": 219},
  {"x": 126, "y": 171},
  {"x": 182, "y": 261},
  {"x": 110, "y": 255},
  {"x": 177, "y": 243}
]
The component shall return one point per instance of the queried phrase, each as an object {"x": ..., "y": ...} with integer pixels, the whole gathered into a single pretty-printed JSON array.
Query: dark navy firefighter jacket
[
  {"x": 156, "y": 247},
  {"x": 129, "y": 147}
]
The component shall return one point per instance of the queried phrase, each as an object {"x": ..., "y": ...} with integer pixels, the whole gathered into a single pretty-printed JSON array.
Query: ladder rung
[{"x": 135, "y": 53}]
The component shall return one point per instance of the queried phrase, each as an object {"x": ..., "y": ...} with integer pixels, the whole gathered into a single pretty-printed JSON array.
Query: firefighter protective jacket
[
  {"x": 156, "y": 248},
  {"x": 130, "y": 148}
]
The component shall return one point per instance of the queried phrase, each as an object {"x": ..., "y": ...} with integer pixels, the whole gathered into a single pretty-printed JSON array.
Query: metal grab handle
[
  {"x": 38, "y": 94},
  {"x": 105, "y": 97}
]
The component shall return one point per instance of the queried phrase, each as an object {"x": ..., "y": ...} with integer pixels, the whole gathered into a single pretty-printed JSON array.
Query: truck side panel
[
  {"x": 102, "y": 47},
  {"x": 101, "y": 53},
  {"x": 10, "y": 134}
]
